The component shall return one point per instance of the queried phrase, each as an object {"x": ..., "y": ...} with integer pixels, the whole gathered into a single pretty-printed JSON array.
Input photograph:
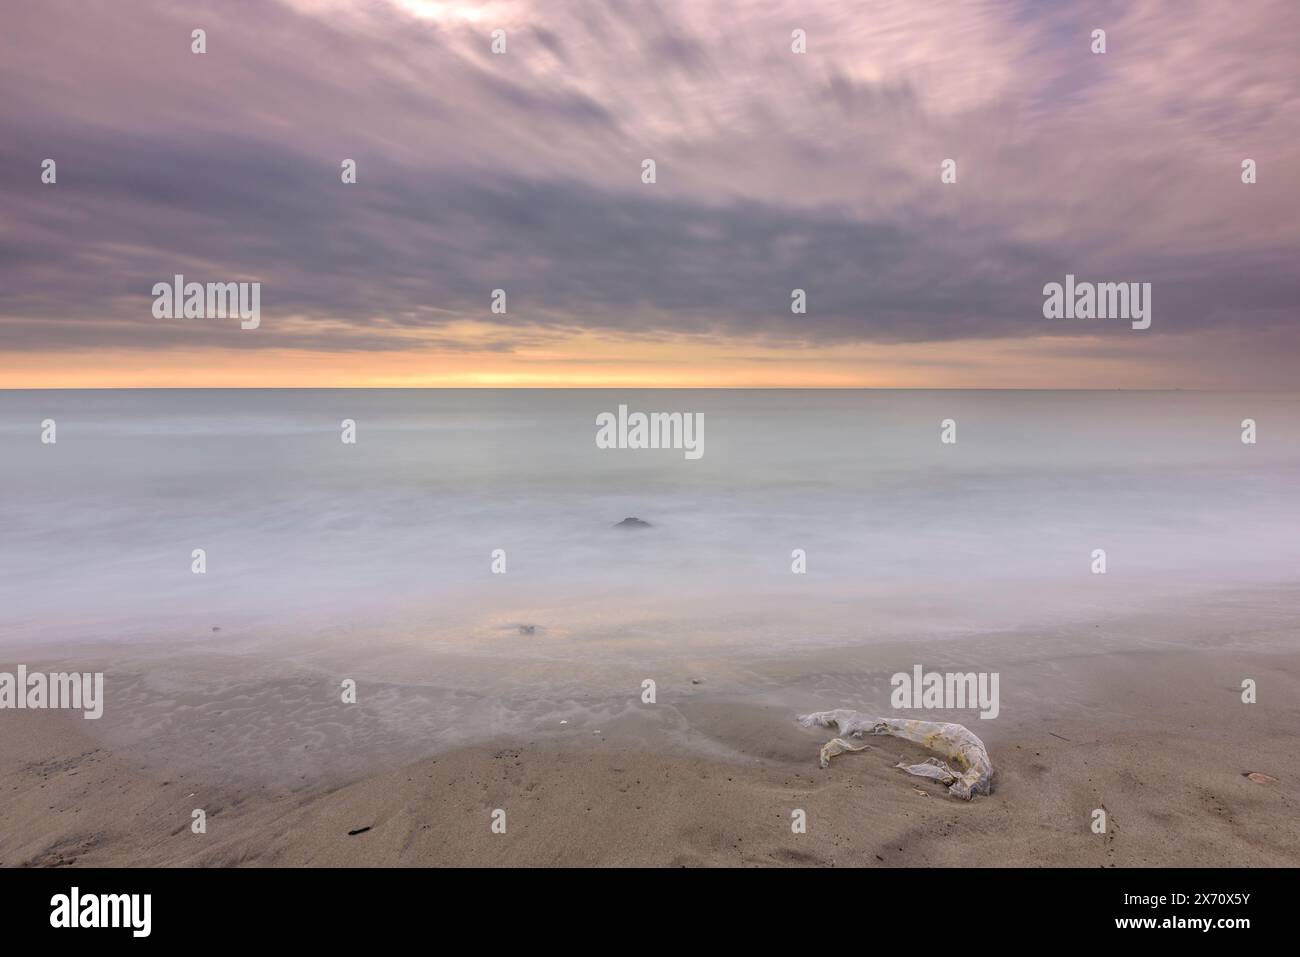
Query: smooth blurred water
[{"x": 308, "y": 536}]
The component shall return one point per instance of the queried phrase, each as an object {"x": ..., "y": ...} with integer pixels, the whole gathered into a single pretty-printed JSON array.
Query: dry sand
[{"x": 1141, "y": 717}]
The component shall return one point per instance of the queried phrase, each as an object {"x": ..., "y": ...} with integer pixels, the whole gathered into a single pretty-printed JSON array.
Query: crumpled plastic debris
[{"x": 970, "y": 773}]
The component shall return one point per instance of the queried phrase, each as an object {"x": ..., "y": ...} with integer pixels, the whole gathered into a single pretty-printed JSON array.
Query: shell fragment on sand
[{"x": 969, "y": 773}]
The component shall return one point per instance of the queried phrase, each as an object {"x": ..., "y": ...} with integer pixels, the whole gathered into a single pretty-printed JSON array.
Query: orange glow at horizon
[{"x": 586, "y": 361}]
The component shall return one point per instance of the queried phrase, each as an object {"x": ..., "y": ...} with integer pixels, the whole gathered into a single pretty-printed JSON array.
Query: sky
[{"x": 774, "y": 171}]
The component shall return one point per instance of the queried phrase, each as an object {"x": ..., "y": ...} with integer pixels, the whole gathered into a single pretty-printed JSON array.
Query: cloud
[{"x": 522, "y": 171}]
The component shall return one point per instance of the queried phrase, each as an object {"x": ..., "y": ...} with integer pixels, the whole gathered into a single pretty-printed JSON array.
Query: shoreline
[{"x": 1144, "y": 722}]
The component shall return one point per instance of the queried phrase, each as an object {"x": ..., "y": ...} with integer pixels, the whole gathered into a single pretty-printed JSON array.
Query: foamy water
[{"x": 308, "y": 538}]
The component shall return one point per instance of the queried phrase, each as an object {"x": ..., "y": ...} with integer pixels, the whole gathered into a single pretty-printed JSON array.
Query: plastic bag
[{"x": 970, "y": 773}]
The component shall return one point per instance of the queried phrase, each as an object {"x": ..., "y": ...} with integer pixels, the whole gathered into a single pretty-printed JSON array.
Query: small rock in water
[
  {"x": 632, "y": 522},
  {"x": 697, "y": 681},
  {"x": 527, "y": 629}
]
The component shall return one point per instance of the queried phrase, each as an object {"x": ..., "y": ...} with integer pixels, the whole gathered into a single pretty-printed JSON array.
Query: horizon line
[{"x": 612, "y": 388}]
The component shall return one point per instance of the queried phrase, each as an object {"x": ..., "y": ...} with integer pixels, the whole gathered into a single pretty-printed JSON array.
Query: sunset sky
[{"x": 775, "y": 170}]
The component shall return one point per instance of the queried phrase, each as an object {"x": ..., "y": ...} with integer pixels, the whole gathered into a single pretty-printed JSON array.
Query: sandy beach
[
  {"x": 1140, "y": 716},
  {"x": 648, "y": 435}
]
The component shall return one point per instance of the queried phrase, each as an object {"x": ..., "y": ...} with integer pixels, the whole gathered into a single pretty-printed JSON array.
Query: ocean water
[{"x": 308, "y": 538}]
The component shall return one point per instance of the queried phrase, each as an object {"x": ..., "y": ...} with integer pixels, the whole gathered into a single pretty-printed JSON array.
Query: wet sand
[{"x": 1142, "y": 718}]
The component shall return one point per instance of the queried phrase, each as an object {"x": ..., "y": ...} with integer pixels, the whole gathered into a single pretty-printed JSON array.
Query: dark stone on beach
[
  {"x": 632, "y": 522},
  {"x": 360, "y": 830}
]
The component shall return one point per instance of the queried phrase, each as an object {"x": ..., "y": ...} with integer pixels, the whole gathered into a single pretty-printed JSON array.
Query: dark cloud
[{"x": 478, "y": 173}]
